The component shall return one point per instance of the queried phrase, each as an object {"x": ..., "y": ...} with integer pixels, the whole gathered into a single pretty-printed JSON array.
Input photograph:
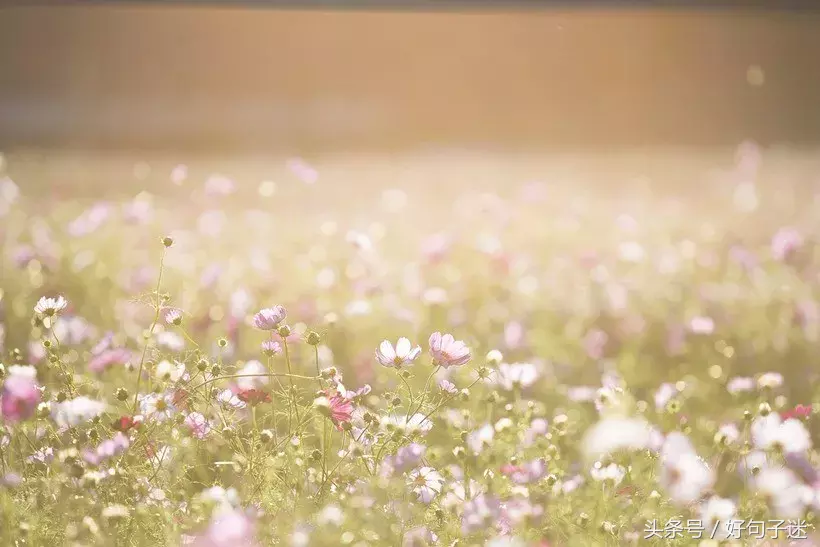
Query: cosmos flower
[
  {"x": 19, "y": 397},
  {"x": 198, "y": 425},
  {"x": 402, "y": 355},
  {"x": 229, "y": 529},
  {"x": 772, "y": 431},
  {"x": 786, "y": 495},
  {"x": 525, "y": 473},
  {"x": 173, "y": 316},
  {"x": 447, "y": 351},
  {"x": 613, "y": 434},
  {"x": 510, "y": 376},
  {"x": 426, "y": 483},
  {"x": 49, "y": 307},
  {"x": 157, "y": 406},
  {"x": 269, "y": 318},
  {"x": 479, "y": 513},
  {"x": 169, "y": 371},
  {"x": 683, "y": 474},
  {"x": 105, "y": 359},
  {"x": 74, "y": 412}
]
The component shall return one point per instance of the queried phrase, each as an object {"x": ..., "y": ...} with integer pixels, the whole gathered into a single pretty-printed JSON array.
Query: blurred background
[{"x": 95, "y": 93}]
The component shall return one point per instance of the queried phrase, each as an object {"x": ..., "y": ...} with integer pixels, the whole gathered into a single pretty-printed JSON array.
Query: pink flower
[
  {"x": 595, "y": 343},
  {"x": 198, "y": 425},
  {"x": 228, "y": 529},
  {"x": 785, "y": 242},
  {"x": 269, "y": 318},
  {"x": 19, "y": 398},
  {"x": 340, "y": 408},
  {"x": 447, "y": 351},
  {"x": 402, "y": 354},
  {"x": 103, "y": 361}
]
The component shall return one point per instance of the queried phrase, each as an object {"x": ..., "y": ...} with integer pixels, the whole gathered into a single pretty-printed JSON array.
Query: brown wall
[{"x": 181, "y": 77}]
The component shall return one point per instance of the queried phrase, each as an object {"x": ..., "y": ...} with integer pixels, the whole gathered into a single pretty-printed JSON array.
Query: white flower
[
  {"x": 771, "y": 432},
  {"x": 613, "y": 434},
  {"x": 458, "y": 493},
  {"x": 157, "y": 406},
  {"x": 612, "y": 472},
  {"x": 330, "y": 515},
  {"x": 683, "y": 474},
  {"x": 718, "y": 510},
  {"x": 166, "y": 370},
  {"x": 426, "y": 482},
  {"x": 224, "y": 500},
  {"x": 77, "y": 411},
  {"x": 252, "y": 376},
  {"x": 481, "y": 437},
  {"x": 50, "y": 306},
  {"x": 22, "y": 370},
  {"x": 228, "y": 398},
  {"x": 171, "y": 341},
  {"x": 512, "y": 375},
  {"x": 770, "y": 380},
  {"x": 786, "y": 495},
  {"x": 403, "y": 354},
  {"x": 416, "y": 423}
]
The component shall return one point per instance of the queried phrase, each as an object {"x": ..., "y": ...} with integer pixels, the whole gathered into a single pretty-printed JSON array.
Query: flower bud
[
  {"x": 313, "y": 338},
  {"x": 765, "y": 409},
  {"x": 284, "y": 331},
  {"x": 167, "y": 241},
  {"x": 266, "y": 436},
  {"x": 121, "y": 394}
]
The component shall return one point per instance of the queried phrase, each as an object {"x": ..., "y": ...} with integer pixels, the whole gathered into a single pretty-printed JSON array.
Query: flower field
[{"x": 346, "y": 357}]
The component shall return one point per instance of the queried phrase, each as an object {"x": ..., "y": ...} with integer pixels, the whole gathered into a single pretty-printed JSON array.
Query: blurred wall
[{"x": 252, "y": 79}]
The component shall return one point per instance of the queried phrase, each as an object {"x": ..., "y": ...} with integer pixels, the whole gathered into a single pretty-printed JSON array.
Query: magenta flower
[
  {"x": 19, "y": 398},
  {"x": 269, "y": 318},
  {"x": 447, "y": 351}
]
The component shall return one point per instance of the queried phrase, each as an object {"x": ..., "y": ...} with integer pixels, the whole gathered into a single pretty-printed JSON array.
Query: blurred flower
[
  {"x": 403, "y": 354},
  {"x": 740, "y": 384},
  {"x": 515, "y": 375},
  {"x": 219, "y": 185},
  {"x": 702, "y": 325},
  {"x": 198, "y": 425},
  {"x": 771, "y": 431},
  {"x": 611, "y": 435},
  {"x": 76, "y": 411},
  {"x": 479, "y": 513},
  {"x": 785, "y": 241},
  {"x": 786, "y": 495},
  {"x": 229, "y": 529},
  {"x": 103, "y": 360},
  {"x": 612, "y": 472},
  {"x": 716, "y": 514},
  {"x": 447, "y": 351},
  {"x": 684, "y": 475},
  {"x": 770, "y": 380},
  {"x": 19, "y": 397},
  {"x": 525, "y": 473}
]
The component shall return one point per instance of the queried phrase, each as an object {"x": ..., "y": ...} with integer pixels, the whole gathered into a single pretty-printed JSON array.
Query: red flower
[
  {"x": 123, "y": 424},
  {"x": 799, "y": 412},
  {"x": 254, "y": 396}
]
